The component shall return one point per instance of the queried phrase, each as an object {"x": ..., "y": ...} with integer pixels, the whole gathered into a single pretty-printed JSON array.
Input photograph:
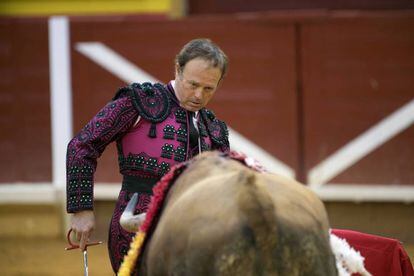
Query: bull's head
[{"x": 128, "y": 220}]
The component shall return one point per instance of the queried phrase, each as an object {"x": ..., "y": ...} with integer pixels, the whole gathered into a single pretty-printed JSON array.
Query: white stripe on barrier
[
  {"x": 363, "y": 193},
  {"x": 114, "y": 62},
  {"x": 362, "y": 145},
  {"x": 46, "y": 193},
  {"x": 240, "y": 143},
  {"x": 24, "y": 193},
  {"x": 60, "y": 95}
]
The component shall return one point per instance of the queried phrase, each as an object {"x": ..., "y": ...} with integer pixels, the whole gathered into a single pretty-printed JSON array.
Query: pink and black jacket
[{"x": 147, "y": 149}]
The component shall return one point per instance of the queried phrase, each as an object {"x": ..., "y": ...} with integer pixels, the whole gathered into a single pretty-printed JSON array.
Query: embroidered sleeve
[{"x": 83, "y": 150}]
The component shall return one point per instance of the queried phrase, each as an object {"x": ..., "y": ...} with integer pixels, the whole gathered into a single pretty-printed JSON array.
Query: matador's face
[{"x": 196, "y": 84}]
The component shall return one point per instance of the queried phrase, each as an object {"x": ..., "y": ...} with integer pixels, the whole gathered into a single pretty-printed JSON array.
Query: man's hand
[{"x": 82, "y": 224}]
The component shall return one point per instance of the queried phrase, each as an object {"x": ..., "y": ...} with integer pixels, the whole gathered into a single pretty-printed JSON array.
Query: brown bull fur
[{"x": 222, "y": 218}]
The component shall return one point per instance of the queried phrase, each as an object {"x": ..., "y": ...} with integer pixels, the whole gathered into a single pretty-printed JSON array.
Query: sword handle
[{"x": 75, "y": 246}]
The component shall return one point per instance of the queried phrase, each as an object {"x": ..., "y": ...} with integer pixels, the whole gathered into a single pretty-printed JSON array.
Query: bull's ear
[{"x": 128, "y": 220}]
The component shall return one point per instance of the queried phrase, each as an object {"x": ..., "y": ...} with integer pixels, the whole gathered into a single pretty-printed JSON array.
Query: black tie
[{"x": 193, "y": 136}]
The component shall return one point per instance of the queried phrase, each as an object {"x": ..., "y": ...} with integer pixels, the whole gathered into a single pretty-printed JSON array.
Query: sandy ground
[{"x": 48, "y": 257}]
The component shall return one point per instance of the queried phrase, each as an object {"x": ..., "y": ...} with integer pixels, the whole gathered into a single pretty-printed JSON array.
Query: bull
[{"x": 221, "y": 217}]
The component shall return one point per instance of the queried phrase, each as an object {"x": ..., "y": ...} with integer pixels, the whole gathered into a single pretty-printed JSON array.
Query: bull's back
[{"x": 234, "y": 221}]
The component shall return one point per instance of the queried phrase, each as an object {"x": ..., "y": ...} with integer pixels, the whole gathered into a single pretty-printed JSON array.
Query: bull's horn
[{"x": 128, "y": 220}]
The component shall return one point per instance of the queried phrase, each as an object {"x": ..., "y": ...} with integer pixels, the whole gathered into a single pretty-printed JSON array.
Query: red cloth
[{"x": 383, "y": 256}]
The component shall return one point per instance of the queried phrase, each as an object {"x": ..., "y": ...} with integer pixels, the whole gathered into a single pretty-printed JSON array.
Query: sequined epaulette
[
  {"x": 122, "y": 92},
  {"x": 217, "y": 130},
  {"x": 152, "y": 102}
]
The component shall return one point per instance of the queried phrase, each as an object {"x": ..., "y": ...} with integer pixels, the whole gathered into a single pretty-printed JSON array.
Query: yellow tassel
[{"x": 130, "y": 259}]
